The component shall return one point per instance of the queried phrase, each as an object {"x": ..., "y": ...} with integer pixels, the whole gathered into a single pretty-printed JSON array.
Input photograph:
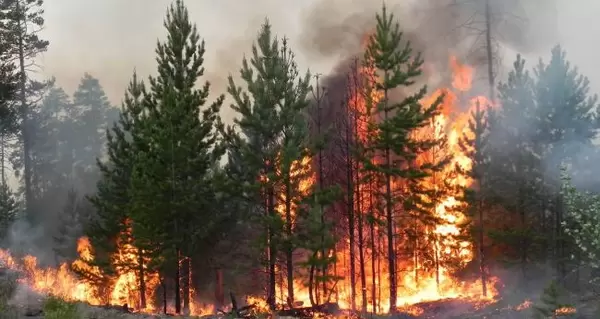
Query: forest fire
[
  {"x": 430, "y": 253},
  {"x": 97, "y": 288},
  {"x": 440, "y": 248}
]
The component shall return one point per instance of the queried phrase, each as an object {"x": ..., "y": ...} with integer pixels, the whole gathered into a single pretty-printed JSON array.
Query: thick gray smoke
[{"x": 436, "y": 28}]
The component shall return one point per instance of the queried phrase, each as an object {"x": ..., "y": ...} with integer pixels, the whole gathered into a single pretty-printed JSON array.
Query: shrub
[{"x": 55, "y": 308}]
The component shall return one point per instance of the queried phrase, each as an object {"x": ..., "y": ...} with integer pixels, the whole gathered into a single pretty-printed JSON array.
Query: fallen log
[
  {"x": 330, "y": 308},
  {"x": 124, "y": 308}
]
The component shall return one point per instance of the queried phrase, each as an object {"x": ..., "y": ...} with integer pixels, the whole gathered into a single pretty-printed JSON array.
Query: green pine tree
[
  {"x": 9, "y": 208},
  {"x": 89, "y": 120},
  {"x": 316, "y": 236},
  {"x": 112, "y": 201},
  {"x": 174, "y": 193},
  {"x": 294, "y": 167},
  {"x": 22, "y": 20},
  {"x": 550, "y": 302},
  {"x": 474, "y": 145},
  {"x": 567, "y": 111},
  {"x": 50, "y": 162},
  {"x": 514, "y": 167},
  {"x": 399, "y": 68},
  {"x": 270, "y": 147}
]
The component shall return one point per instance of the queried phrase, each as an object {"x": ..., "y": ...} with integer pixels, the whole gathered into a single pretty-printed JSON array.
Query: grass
[
  {"x": 8, "y": 285},
  {"x": 55, "y": 308}
]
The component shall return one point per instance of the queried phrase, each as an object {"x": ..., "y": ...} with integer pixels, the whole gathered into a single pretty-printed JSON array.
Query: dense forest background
[{"x": 334, "y": 183}]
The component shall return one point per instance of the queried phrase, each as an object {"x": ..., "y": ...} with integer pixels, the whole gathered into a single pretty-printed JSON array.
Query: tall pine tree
[
  {"x": 112, "y": 200},
  {"x": 272, "y": 143},
  {"x": 22, "y": 20},
  {"x": 398, "y": 67},
  {"x": 174, "y": 191}
]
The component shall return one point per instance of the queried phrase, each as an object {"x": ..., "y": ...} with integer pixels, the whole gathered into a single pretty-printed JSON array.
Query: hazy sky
[{"x": 109, "y": 38}]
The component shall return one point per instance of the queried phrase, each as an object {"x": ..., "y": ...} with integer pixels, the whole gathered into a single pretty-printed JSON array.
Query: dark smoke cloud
[{"x": 436, "y": 28}]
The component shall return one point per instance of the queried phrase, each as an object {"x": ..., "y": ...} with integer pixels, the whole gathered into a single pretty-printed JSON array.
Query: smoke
[{"x": 336, "y": 28}]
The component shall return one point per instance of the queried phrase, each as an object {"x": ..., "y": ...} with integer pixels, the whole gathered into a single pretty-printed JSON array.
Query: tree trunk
[
  {"x": 163, "y": 283},
  {"x": 289, "y": 249},
  {"x": 489, "y": 50},
  {"x": 186, "y": 264},
  {"x": 437, "y": 261},
  {"x": 373, "y": 252},
  {"x": 319, "y": 96},
  {"x": 350, "y": 213},
  {"x": 177, "y": 284},
  {"x": 389, "y": 216},
  {"x": 481, "y": 250},
  {"x": 361, "y": 254},
  {"x": 311, "y": 283},
  {"x": 25, "y": 118},
  {"x": 271, "y": 297},
  {"x": 219, "y": 291},
  {"x": 416, "y": 252},
  {"x": 142, "y": 279},
  {"x": 359, "y": 213}
]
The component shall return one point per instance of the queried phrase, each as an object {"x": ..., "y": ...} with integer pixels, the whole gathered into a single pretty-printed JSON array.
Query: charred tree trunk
[
  {"x": 163, "y": 283},
  {"x": 219, "y": 291},
  {"x": 416, "y": 251},
  {"x": 177, "y": 284},
  {"x": 373, "y": 251},
  {"x": 142, "y": 279},
  {"x": 186, "y": 264},
  {"x": 318, "y": 95},
  {"x": 311, "y": 283},
  {"x": 271, "y": 297},
  {"x": 389, "y": 218},
  {"x": 361, "y": 257},
  {"x": 437, "y": 261},
  {"x": 289, "y": 249},
  {"x": 359, "y": 207},
  {"x": 481, "y": 249},
  {"x": 350, "y": 213}
]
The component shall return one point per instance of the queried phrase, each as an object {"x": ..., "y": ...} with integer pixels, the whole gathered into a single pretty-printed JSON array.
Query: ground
[{"x": 19, "y": 302}]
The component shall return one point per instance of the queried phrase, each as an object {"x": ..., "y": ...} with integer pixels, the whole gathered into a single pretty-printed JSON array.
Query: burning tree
[
  {"x": 273, "y": 143},
  {"x": 397, "y": 121}
]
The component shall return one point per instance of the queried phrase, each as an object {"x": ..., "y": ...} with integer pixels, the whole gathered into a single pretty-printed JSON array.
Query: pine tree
[
  {"x": 272, "y": 116},
  {"x": 50, "y": 168},
  {"x": 9, "y": 79},
  {"x": 552, "y": 301},
  {"x": 399, "y": 68},
  {"x": 89, "y": 120},
  {"x": 316, "y": 236},
  {"x": 112, "y": 201},
  {"x": 294, "y": 165},
  {"x": 568, "y": 121},
  {"x": 514, "y": 165},
  {"x": 9, "y": 208},
  {"x": 474, "y": 145},
  {"x": 178, "y": 149},
  {"x": 22, "y": 20}
]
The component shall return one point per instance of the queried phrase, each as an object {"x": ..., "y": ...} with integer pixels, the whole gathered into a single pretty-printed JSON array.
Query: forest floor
[{"x": 19, "y": 302}]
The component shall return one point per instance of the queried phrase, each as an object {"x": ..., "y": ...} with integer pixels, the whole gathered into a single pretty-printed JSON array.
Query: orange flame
[{"x": 121, "y": 289}]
